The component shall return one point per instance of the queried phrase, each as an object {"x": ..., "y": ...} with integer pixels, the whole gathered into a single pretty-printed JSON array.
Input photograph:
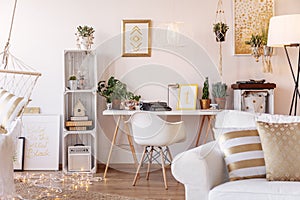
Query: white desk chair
[{"x": 151, "y": 131}]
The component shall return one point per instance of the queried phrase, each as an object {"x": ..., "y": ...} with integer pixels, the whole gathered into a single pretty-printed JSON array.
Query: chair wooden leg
[
  {"x": 139, "y": 167},
  {"x": 163, "y": 167},
  {"x": 149, "y": 163}
]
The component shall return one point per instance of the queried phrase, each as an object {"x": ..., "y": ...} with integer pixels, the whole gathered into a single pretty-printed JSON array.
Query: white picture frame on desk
[
  {"x": 187, "y": 97},
  {"x": 42, "y": 141}
]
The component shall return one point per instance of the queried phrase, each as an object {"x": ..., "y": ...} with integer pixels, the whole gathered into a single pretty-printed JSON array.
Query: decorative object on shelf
[
  {"x": 284, "y": 32},
  {"x": 250, "y": 17},
  {"x": 205, "y": 100},
  {"x": 115, "y": 92},
  {"x": 220, "y": 28},
  {"x": 73, "y": 82},
  {"x": 136, "y": 38},
  {"x": 85, "y": 37},
  {"x": 79, "y": 109},
  {"x": 187, "y": 97},
  {"x": 219, "y": 93}
]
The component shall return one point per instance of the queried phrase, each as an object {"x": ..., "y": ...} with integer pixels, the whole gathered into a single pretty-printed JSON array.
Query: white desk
[{"x": 204, "y": 114}]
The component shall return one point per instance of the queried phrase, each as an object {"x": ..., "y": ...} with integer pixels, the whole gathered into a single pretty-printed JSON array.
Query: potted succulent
[
  {"x": 220, "y": 30},
  {"x": 73, "y": 82},
  {"x": 85, "y": 37},
  {"x": 205, "y": 100},
  {"x": 219, "y": 90}
]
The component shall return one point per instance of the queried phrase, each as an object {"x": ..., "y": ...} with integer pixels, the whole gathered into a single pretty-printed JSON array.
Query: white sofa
[
  {"x": 7, "y": 149},
  {"x": 203, "y": 172}
]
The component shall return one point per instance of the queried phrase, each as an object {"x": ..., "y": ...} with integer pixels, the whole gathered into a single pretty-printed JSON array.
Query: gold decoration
[{"x": 250, "y": 17}]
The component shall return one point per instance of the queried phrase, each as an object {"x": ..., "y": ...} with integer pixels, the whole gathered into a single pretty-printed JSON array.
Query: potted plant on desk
[
  {"x": 219, "y": 93},
  {"x": 115, "y": 92},
  {"x": 205, "y": 100}
]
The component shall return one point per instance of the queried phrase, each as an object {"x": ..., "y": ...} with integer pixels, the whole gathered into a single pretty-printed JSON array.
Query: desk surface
[{"x": 173, "y": 112}]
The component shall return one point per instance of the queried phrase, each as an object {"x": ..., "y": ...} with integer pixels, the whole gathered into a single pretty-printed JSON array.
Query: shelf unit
[{"x": 79, "y": 147}]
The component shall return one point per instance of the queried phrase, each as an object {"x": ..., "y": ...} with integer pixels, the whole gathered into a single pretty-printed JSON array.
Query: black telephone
[{"x": 155, "y": 106}]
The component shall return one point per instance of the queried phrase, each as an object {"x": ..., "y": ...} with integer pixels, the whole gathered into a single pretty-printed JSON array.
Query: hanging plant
[{"x": 220, "y": 30}]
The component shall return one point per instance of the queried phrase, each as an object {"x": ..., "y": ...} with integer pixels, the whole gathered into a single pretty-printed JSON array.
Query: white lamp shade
[{"x": 284, "y": 30}]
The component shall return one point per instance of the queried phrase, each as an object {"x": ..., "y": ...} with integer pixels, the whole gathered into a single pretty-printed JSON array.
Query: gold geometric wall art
[
  {"x": 250, "y": 17},
  {"x": 136, "y": 38}
]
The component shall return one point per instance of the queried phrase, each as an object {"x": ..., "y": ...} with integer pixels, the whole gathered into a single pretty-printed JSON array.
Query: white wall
[{"x": 44, "y": 29}]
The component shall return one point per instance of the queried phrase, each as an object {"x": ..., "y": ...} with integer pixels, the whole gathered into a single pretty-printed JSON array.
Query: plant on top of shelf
[
  {"x": 220, "y": 30},
  {"x": 85, "y": 31},
  {"x": 85, "y": 37},
  {"x": 73, "y": 78}
]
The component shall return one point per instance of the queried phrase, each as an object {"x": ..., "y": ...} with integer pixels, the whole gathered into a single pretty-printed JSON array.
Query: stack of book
[{"x": 79, "y": 123}]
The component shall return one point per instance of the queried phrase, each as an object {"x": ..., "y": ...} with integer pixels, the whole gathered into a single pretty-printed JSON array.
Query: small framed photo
[
  {"x": 19, "y": 154},
  {"x": 187, "y": 97},
  {"x": 136, "y": 38}
]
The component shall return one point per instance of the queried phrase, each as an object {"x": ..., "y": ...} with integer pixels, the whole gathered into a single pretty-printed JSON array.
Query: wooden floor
[{"x": 120, "y": 182}]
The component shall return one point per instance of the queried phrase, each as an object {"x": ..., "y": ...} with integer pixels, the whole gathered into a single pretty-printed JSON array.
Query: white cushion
[
  {"x": 277, "y": 118},
  {"x": 10, "y": 107},
  {"x": 235, "y": 119},
  {"x": 243, "y": 154},
  {"x": 256, "y": 189}
]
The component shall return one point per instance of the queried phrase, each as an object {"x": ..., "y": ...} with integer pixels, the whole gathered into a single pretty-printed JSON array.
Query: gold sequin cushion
[
  {"x": 281, "y": 147},
  {"x": 243, "y": 154},
  {"x": 10, "y": 108}
]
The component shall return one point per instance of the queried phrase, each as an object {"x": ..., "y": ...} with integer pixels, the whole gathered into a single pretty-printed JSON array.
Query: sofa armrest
[{"x": 200, "y": 169}]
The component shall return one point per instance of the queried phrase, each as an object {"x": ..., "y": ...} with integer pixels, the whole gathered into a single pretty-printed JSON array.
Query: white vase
[
  {"x": 85, "y": 43},
  {"x": 73, "y": 84}
]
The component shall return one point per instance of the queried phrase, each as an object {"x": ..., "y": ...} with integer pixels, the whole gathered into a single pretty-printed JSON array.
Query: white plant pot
[
  {"x": 84, "y": 43},
  {"x": 73, "y": 84}
]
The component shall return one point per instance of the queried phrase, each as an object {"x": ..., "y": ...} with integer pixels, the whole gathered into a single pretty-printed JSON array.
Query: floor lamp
[{"x": 284, "y": 31}]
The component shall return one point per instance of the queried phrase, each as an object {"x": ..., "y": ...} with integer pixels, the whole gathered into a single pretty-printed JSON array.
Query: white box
[{"x": 79, "y": 158}]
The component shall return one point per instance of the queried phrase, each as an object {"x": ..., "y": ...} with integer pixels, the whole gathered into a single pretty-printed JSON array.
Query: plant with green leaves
[
  {"x": 85, "y": 31},
  {"x": 205, "y": 90},
  {"x": 115, "y": 89},
  {"x": 134, "y": 97},
  {"x": 220, "y": 26},
  {"x": 255, "y": 41},
  {"x": 219, "y": 90},
  {"x": 73, "y": 78}
]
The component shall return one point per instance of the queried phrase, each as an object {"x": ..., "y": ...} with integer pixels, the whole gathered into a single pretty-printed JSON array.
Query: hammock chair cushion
[{"x": 10, "y": 107}]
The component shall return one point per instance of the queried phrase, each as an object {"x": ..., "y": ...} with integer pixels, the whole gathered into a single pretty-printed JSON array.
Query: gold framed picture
[
  {"x": 187, "y": 97},
  {"x": 250, "y": 17},
  {"x": 136, "y": 39}
]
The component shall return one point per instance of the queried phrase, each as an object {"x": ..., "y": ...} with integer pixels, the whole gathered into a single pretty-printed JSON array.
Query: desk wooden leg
[
  {"x": 200, "y": 130},
  {"x": 132, "y": 150},
  {"x": 208, "y": 128},
  {"x": 112, "y": 145}
]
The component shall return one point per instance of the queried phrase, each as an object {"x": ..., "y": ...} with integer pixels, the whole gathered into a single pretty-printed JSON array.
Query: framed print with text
[
  {"x": 136, "y": 38},
  {"x": 19, "y": 154},
  {"x": 187, "y": 97}
]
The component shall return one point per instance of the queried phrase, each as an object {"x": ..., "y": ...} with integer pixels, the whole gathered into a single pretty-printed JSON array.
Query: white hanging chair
[{"x": 17, "y": 81}]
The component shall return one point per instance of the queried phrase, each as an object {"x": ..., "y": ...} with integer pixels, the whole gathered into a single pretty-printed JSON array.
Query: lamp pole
[{"x": 296, "y": 93}]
